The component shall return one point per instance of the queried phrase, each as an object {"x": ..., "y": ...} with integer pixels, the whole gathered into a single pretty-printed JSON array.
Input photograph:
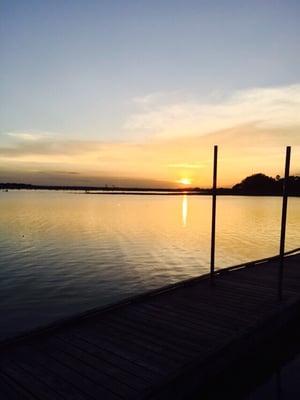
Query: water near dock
[{"x": 64, "y": 253}]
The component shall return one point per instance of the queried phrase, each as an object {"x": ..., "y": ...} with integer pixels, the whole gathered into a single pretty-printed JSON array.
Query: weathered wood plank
[
  {"x": 30, "y": 383},
  {"x": 134, "y": 335},
  {"x": 124, "y": 364},
  {"x": 154, "y": 336},
  {"x": 143, "y": 352},
  {"x": 266, "y": 280},
  {"x": 9, "y": 390},
  {"x": 119, "y": 347},
  {"x": 178, "y": 334},
  {"x": 71, "y": 369},
  {"x": 113, "y": 371},
  {"x": 194, "y": 322},
  {"x": 59, "y": 375}
]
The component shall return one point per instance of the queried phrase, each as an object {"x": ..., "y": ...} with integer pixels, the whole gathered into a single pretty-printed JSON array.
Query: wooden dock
[{"x": 163, "y": 345}]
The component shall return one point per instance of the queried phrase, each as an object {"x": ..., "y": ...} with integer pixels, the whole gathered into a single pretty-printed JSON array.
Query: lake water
[{"x": 63, "y": 253}]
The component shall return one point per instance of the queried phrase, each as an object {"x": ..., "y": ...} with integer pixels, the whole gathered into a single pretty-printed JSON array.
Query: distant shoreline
[
  {"x": 254, "y": 185},
  {"x": 150, "y": 192},
  {"x": 209, "y": 193}
]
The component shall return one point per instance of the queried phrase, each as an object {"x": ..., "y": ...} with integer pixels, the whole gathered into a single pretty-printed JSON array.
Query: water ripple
[{"x": 62, "y": 253}]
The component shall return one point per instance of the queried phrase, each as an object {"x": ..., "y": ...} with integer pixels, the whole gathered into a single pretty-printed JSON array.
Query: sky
[{"x": 138, "y": 92}]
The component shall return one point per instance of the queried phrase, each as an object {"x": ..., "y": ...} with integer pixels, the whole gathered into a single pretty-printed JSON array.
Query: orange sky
[{"x": 158, "y": 161}]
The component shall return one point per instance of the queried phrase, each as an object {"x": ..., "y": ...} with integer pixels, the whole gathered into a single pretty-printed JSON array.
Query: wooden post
[
  {"x": 213, "y": 218},
  {"x": 283, "y": 219}
]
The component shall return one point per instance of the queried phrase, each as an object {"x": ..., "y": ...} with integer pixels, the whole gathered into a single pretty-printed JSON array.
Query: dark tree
[{"x": 266, "y": 185}]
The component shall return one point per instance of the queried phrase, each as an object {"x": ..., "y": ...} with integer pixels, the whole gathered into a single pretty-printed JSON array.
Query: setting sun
[{"x": 185, "y": 181}]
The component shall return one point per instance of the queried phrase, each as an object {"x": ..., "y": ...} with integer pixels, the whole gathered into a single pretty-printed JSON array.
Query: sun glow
[{"x": 185, "y": 181}]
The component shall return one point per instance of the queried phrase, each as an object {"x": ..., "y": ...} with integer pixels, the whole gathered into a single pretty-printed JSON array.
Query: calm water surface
[{"x": 63, "y": 253}]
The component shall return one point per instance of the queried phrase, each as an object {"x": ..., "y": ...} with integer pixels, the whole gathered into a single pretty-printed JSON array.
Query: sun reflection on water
[{"x": 184, "y": 210}]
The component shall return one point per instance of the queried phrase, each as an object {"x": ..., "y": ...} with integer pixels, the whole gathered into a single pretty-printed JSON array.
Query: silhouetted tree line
[
  {"x": 257, "y": 184},
  {"x": 260, "y": 184}
]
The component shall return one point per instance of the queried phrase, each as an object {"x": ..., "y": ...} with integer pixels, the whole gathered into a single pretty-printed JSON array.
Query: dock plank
[
  {"x": 9, "y": 390},
  {"x": 101, "y": 366},
  {"x": 99, "y": 351},
  {"x": 30, "y": 383}
]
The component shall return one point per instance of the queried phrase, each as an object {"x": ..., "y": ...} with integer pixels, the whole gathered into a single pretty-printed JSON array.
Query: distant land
[{"x": 256, "y": 185}]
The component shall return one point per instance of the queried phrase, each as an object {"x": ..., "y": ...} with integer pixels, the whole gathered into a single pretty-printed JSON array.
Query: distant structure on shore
[{"x": 257, "y": 184}]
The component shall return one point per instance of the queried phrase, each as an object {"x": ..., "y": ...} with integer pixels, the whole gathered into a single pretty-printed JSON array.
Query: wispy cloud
[
  {"x": 273, "y": 107},
  {"x": 26, "y": 136},
  {"x": 49, "y": 147}
]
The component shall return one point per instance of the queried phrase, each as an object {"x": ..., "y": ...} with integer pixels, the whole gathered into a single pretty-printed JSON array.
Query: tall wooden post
[
  {"x": 283, "y": 219},
  {"x": 213, "y": 218}
]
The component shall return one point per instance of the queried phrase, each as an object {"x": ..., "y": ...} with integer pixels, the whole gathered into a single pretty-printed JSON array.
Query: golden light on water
[
  {"x": 184, "y": 210},
  {"x": 185, "y": 181}
]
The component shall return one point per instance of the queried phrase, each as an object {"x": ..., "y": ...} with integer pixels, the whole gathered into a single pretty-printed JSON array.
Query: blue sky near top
[{"x": 124, "y": 71}]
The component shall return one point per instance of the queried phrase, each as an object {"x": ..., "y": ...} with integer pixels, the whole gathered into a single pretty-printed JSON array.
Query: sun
[{"x": 185, "y": 181}]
